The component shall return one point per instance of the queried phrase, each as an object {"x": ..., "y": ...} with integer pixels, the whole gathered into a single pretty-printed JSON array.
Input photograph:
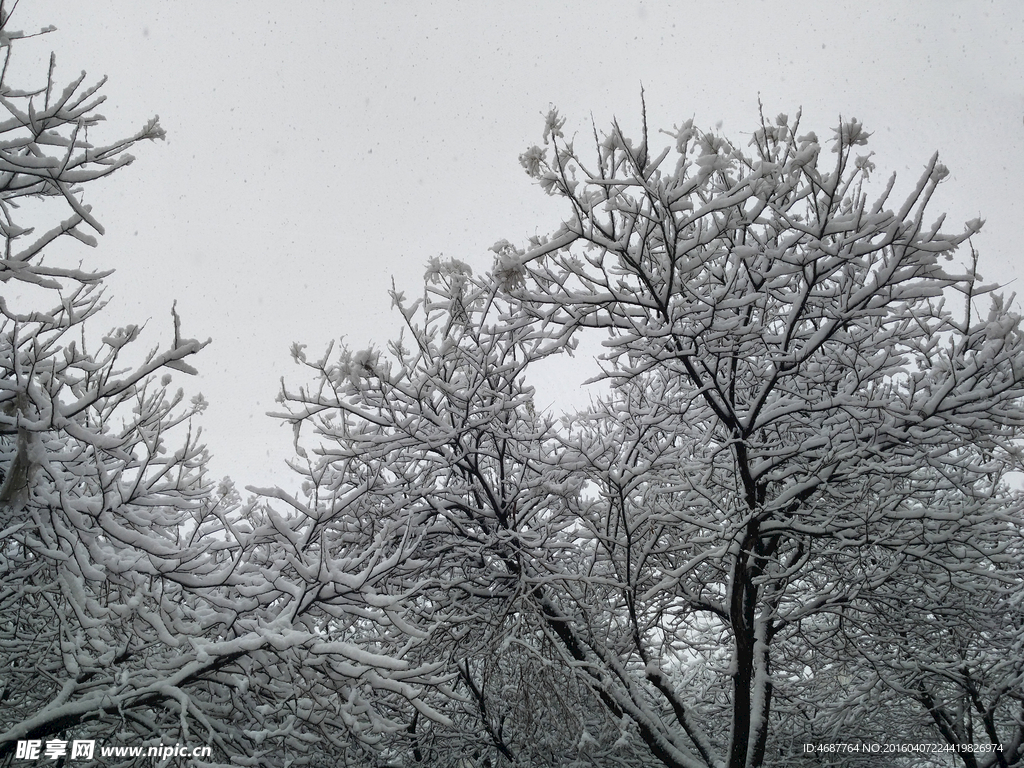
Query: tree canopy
[
  {"x": 142, "y": 603},
  {"x": 787, "y": 521},
  {"x": 789, "y": 517}
]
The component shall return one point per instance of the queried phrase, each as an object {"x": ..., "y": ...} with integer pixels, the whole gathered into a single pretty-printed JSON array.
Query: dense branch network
[{"x": 799, "y": 468}]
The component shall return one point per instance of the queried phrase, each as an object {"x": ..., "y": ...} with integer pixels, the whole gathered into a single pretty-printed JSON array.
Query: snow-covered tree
[
  {"x": 850, "y": 416},
  {"x": 140, "y": 603},
  {"x": 95, "y": 506},
  {"x": 799, "y": 469},
  {"x": 421, "y": 458}
]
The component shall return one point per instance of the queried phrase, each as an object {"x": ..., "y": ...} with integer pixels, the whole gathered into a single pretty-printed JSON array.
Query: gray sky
[{"x": 316, "y": 150}]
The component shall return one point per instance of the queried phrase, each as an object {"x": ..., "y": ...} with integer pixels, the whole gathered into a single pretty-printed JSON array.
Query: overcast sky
[{"x": 316, "y": 150}]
